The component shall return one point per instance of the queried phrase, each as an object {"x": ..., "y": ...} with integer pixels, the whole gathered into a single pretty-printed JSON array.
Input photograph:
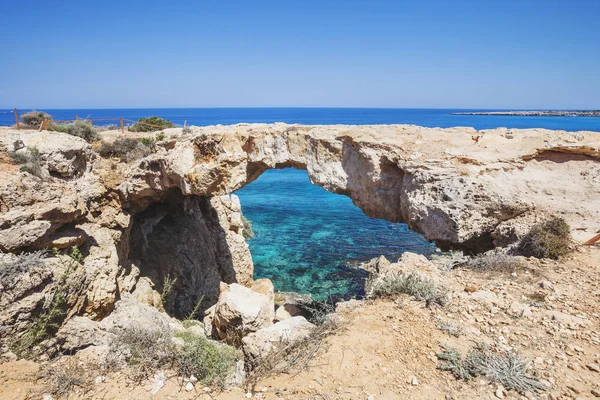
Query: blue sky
[{"x": 350, "y": 53}]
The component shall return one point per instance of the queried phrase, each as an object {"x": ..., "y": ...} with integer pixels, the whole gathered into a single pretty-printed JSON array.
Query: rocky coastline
[
  {"x": 155, "y": 239},
  {"x": 542, "y": 113}
]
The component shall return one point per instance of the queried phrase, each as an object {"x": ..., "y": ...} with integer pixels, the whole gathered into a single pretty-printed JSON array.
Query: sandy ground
[{"x": 548, "y": 313}]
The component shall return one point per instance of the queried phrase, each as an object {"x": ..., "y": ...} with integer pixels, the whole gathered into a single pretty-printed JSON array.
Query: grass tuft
[
  {"x": 414, "y": 285},
  {"x": 550, "y": 239},
  {"x": 506, "y": 368}
]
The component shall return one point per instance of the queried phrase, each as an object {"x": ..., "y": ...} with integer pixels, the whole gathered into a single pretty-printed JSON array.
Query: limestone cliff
[{"x": 170, "y": 216}]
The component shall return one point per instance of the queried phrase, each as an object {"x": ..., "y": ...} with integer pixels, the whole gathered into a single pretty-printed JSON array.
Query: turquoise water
[{"x": 308, "y": 240}]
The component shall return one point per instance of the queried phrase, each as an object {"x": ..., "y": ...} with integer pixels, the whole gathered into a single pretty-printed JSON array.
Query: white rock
[
  {"x": 265, "y": 340},
  {"x": 189, "y": 387},
  {"x": 241, "y": 311}
]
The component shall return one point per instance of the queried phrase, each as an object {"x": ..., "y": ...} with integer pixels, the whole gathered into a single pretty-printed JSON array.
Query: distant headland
[{"x": 546, "y": 113}]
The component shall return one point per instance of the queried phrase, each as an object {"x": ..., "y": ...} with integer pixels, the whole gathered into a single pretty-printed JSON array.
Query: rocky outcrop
[
  {"x": 169, "y": 220},
  {"x": 457, "y": 186}
]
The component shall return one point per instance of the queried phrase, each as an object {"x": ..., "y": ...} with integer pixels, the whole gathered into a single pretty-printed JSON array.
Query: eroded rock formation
[{"x": 170, "y": 218}]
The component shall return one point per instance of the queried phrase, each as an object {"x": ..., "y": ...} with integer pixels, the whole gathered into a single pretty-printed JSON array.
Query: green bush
[
  {"x": 35, "y": 118},
  {"x": 506, "y": 368},
  {"x": 81, "y": 128},
  {"x": 209, "y": 361},
  {"x": 126, "y": 149},
  {"x": 550, "y": 239},
  {"x": 30, "y": 161},
  {"x": 420, "y": 288},
  {"x": 157, "y": 122}
]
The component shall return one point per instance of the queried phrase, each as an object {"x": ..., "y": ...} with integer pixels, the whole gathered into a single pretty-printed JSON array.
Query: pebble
[
  {"x": 189, "y": 387},
  {"x": 593, "y": 367},
  {"x": 99, "y": 379},
  {"x": 574, "y": 366},
  {"x": 499, "y": 394},
  {"x": 414, "y": 381},
  {"x": 193, "y": 379},
  {"x": 573, "y": 389}
]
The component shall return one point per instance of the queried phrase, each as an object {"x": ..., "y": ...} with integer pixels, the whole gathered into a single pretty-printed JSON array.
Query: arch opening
[{"x": 309, "y": 240}]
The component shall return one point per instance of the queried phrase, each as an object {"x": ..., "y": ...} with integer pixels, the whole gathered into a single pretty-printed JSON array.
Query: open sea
[{"x": 308, "y": 240}]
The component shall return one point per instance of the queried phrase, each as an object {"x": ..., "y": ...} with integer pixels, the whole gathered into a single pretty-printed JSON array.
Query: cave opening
[{"x": 308, "y": 240}]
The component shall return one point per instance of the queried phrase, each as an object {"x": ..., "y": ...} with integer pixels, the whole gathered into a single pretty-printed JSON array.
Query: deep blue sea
[{"x": 307, "y": 239}]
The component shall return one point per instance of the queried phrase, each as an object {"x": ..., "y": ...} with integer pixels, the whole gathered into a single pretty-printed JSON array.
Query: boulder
[
  {"x": 241, "y": 311},
  {"x": 282, "y": 333},
  {"x": 129, "y": 311},
  {"x": 81, "y": 332}
]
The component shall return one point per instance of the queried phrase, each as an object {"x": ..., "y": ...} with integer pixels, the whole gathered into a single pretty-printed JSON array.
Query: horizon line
[{"x": 306, "y": 107}]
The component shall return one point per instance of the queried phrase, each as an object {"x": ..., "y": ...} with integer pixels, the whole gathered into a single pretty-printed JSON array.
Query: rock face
[
  {"x": 457, "y": 186},
  {"x": 166, "y": 229}
]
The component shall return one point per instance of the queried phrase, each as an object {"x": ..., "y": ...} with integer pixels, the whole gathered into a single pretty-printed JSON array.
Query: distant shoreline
[{"x": 547, "y": 113}]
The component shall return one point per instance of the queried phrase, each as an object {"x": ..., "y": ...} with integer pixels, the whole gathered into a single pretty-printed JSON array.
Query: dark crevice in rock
[{"x": 180, "y": 239}]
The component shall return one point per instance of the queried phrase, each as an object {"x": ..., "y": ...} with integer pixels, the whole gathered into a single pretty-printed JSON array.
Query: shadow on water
[{"x": 308, "y": 240}]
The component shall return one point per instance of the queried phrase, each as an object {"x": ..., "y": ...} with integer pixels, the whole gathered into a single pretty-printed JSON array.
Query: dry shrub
[
  {"x": 495, "y": 263},
  {"x": 34, "y": 118},
  {"x": 550, "y": 239},
  {"x": 292, "y": 357},
  {"x": 80, "y": 128},
  {"x": 450, "y": 328},
  {"x": 247, "y": 230},
  {"x": 30, "y": 161},
  {"x": 63, "y": 377},
  {"x": 142, "y": 350},
  {"x": 502, "y": 367},
  {"x": 413, "y": 285},
  {"x": 126, "y": 149}
]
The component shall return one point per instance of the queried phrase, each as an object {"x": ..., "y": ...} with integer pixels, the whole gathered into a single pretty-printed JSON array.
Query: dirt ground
[{"x": 548, "y": 313}]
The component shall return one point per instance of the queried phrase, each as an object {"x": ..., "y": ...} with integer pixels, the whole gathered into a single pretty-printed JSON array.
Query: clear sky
[{"x": 300, "y": 53}]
